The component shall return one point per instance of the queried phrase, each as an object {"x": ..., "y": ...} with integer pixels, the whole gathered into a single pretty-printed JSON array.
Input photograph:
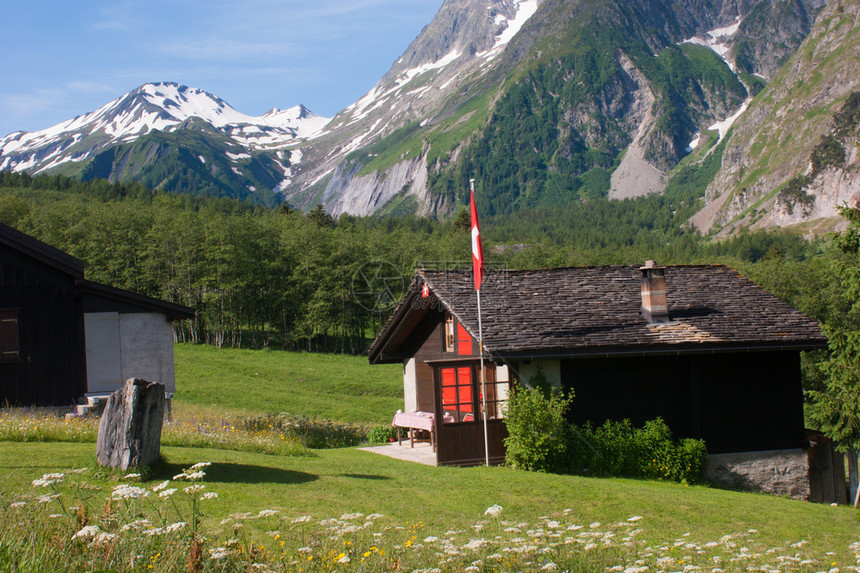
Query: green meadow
[{"x": 252, "y": 507}]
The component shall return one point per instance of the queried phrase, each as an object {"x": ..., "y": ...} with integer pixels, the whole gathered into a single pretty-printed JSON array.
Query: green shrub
[
  {"x": 537, "y": 437},
  {"x": 618, "y": 448},
  {"x": 382, "y": 434}
]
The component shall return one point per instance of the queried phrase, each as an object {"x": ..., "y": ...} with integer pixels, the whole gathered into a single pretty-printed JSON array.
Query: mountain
[
  {"x": 547, "y": 102},
  {"x": 173, "y": 137},
  {"x": 543, "y": 102},
  {"x": 792, "y": 157}
]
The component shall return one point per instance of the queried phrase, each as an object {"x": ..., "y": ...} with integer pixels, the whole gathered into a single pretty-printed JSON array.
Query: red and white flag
[{"x": 477, "y": 251}]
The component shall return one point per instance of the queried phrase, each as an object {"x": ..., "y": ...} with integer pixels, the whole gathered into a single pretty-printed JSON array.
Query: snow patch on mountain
[
  {"x": 525, "y": 10},
  {"x": 719, "y": 41}
]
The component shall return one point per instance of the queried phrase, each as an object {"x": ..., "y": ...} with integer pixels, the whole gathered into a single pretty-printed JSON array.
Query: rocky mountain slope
[
  {"x": 792, "y": 157},
  {"x": 587, "y": 98}
]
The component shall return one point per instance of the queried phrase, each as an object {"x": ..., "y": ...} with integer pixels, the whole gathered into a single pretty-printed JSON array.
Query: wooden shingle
[{"x": 581, "y": 311}]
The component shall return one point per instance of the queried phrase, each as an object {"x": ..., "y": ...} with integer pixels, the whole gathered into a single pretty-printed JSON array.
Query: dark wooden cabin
[
  {"x": 45, "y": 304},
  {"x": 709, "y": 351}
]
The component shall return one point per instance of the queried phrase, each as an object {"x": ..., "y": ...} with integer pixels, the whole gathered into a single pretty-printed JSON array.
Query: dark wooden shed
[
  {"x": 44, "y": 301},
  {"x": 709, "y": 351}
]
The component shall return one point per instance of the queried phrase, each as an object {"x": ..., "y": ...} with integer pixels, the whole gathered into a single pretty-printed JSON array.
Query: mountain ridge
[{"x": 543, "y": 102}]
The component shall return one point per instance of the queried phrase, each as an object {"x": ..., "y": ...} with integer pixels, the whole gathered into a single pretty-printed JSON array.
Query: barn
[
  {"x": 63, "y": 337},
  {"x": 709, "y": 351}
]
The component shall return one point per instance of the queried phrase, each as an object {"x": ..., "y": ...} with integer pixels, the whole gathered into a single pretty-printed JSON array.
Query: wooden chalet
[
  {"x": 63, "y": 337},
  {"x": 709, "y": 351}
]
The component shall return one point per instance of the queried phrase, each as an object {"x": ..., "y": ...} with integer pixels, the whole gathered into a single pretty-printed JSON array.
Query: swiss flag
[{"x": 477, "y": 251}]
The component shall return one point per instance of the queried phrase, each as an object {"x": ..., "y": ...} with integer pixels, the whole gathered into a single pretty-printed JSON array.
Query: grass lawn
[
  {"x": 321, "y": 508},
  {"x": 332, "y": 386},
  {"x": 439, "y": 500}
]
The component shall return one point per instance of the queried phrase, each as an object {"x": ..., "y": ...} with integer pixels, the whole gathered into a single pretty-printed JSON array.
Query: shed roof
[
  {"x": 581, "y": 311},
  {"x": 40, "y": 251},
  {"x": 97, "y": 297}
]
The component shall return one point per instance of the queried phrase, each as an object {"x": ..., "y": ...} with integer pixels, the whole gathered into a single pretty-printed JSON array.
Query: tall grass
[
  {"x": 195, "y": 427},
  {"x": 75, "y": 521}
]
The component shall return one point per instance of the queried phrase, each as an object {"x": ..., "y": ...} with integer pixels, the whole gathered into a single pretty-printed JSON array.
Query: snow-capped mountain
[
  {"x": 155, "y": 106},
  {"x": 543, "y": 102}
]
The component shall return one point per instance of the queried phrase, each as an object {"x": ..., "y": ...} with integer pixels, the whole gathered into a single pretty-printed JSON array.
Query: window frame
[
  {"x": 10, "y": 335},
  {"x": 449, "y": 333}
]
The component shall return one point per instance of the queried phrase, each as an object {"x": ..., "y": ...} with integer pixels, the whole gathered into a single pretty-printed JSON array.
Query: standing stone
[{"x": 130, "y": 426}]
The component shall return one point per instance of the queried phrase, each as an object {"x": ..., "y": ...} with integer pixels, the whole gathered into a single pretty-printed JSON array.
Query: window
[
  {"x": 10, "y": 348},
  {"x": 496, "y": 384},
  {"x": 458, "y": 396},
  {"x": 461, "y": 393},
  {"x": 449, "y": 332}
]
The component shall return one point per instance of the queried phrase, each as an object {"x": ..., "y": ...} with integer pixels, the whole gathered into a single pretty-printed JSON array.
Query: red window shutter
[{"x": 464, "y": 341}]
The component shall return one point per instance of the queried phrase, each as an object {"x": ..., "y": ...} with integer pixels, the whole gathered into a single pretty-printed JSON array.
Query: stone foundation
[{"x": 781, "y": 472}]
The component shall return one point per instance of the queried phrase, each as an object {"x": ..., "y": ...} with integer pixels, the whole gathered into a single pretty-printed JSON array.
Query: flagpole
[
  {"x": 481, "y": 351},
  {"x": 483, "y": 386}
]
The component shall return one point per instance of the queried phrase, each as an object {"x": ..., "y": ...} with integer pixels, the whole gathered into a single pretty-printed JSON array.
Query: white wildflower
[
  {"x": 192, "y": 489},
  {"x": 48, "y": 480},
  {"x": 471, "y": 569},
  {"x": 431, "y": 539},
  {"x": 136, "y": 525},
  {"x": 193, "y": 476},
  {"x": 200, "y": 465},
  {"x": 124, "y": 491},
  {"x": 174, "y": 527},
  {"x": 159, "y": 487},
  {"x": 167, "y": 493},
  {"x": 154, "y": 531},
  {"x": 301, "y": 519},
  {"x": 56, "y": 515},
  {"x": 304, "y": 550},
  {"x": 344, "y": 559},
  {"x": 88, "y": 531},
  {"x": 549, "y": 567},
  {"x": 130, "y": 476},
  {"x": 267, "y": 513},
  {"x": 348, "y": 516},
  {"x": 553, "y": 524},
  {"x": 634, "y": 518},
  {"x": 594, "y": 525},
  {"x": 373, "y": 516},
  {"x": 180, "y": 476},
  {"x": 475, "y": 544},
  {"x": 218, "y": 552},
  {"x": 208, "y": 495},
  {"x": 18, "y": 504},
  {"x": 103, "y": 537},
  {"x": 494, "y": 510}
]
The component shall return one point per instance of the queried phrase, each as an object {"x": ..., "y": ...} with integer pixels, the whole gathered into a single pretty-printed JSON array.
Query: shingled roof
[{"x": 582, "y": 311}]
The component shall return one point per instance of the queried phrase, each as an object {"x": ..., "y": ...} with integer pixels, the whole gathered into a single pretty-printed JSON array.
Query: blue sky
[{"x": 63, "y": 58}]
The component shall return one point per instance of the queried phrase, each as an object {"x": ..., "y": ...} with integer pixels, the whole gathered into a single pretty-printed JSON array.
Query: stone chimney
[{"x": 654, "y": 307}]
